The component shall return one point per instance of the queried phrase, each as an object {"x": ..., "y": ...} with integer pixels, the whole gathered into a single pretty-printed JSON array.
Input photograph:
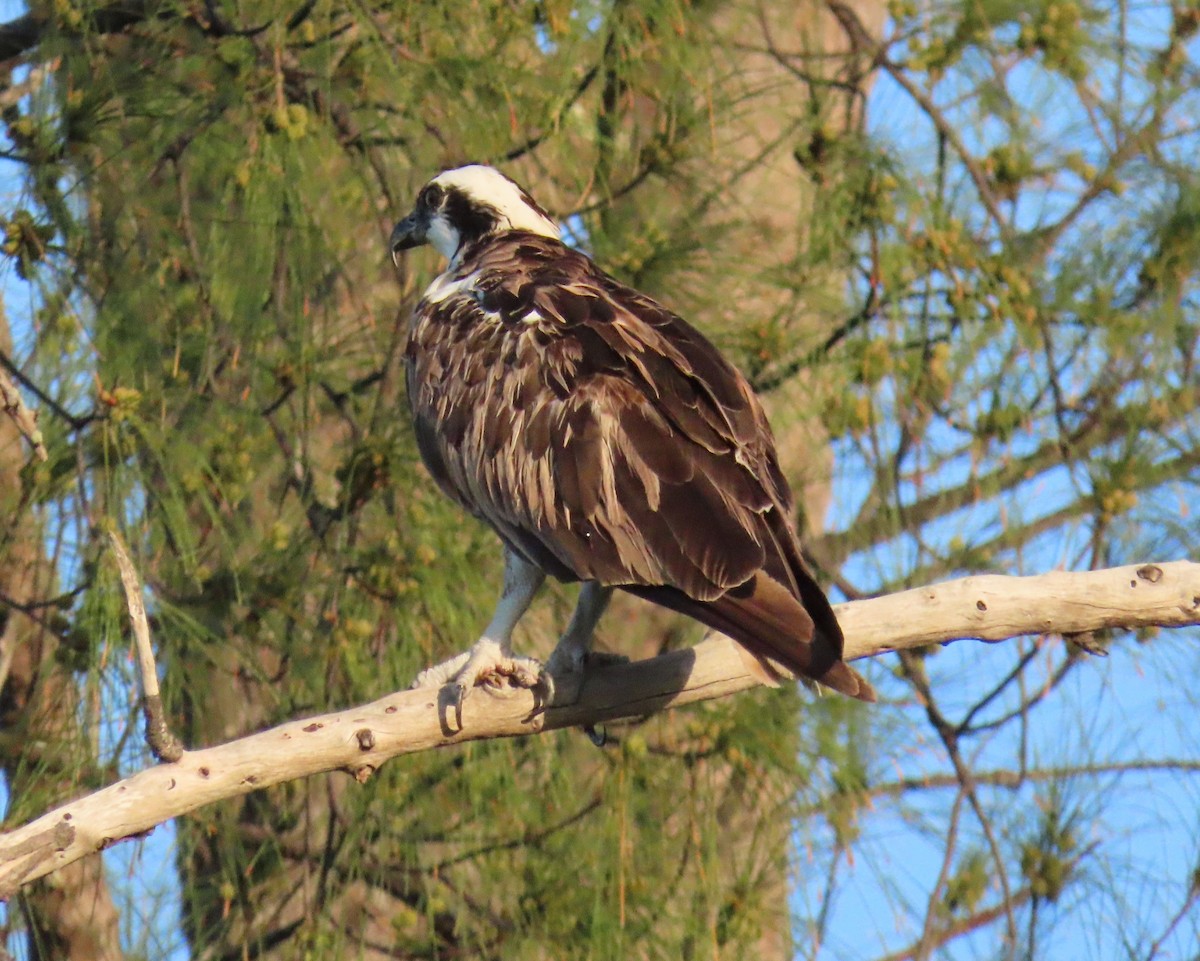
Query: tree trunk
[
  {"x": 749, "y": 276},
  {"x": 69, "y": 916}
]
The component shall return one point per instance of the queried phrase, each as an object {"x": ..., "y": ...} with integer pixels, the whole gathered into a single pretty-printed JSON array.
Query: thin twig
[
  {"x": 76, "y": 423},
  {"x": 862, "y": 41},
  {"x": 914, "y": 672},
  {"x": 966, "y": 925},
  {"x": 928, "y": 940},
  {"x": 24, "y": 418},
  {"x": 163, "y": 744},
  {"x": 1193, "y": 895}
]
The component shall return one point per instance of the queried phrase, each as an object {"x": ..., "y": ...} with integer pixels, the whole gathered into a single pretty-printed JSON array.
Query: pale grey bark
[{"x": 360, "y": 739}]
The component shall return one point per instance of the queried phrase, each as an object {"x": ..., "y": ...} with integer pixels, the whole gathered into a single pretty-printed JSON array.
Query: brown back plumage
[{"x": 606, "y": 439}]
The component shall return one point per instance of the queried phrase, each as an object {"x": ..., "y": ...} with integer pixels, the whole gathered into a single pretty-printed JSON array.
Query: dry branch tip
[{"x": 164, "y": 745}]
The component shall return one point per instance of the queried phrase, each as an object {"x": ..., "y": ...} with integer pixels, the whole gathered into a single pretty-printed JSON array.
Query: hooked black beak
[{"x": 409, "y": 233}]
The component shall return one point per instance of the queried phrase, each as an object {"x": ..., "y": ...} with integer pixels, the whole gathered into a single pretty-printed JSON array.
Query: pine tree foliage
[{"x": 983, "y": 280}]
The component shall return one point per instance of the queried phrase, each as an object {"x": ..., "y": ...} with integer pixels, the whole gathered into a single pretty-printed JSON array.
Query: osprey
[{"x": 604, "y": 439}]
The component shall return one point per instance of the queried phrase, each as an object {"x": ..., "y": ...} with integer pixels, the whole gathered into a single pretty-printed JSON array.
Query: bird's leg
[
  {"x": 567, "y": 662},
  {"x": 491, "y": 656}
]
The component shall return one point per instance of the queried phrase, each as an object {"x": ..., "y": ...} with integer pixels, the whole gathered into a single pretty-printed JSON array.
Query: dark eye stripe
[
  {"x": 472, "y": 219},
  {"x": 431, "y": 196}
]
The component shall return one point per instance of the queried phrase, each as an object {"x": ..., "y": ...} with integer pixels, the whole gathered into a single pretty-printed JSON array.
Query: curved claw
[
  {"x": 458, "y": 694},
  {"x": 487, "y": 665}
]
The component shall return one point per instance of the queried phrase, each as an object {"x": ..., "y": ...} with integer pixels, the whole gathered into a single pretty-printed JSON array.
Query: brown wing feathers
[{"x": 607, "y": 440}]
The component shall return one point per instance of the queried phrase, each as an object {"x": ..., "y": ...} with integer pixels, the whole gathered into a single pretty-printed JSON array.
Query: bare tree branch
[
  {"x": 23, "y": 417},
  {"x": 994, "y": 607},
  {"x": 163, "y": 744},
  {"x": 360, "y": 739}
]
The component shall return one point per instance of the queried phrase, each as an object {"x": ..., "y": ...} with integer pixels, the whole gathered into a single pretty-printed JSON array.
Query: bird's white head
[{"x": 460, "y": 206}]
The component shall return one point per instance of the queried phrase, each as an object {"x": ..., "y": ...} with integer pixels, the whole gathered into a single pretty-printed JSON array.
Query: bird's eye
[{"x": 431, "y": 196}]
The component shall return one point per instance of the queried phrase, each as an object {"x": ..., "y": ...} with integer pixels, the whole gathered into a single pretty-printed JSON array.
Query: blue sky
[{"x": 1129, "y": 706}]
